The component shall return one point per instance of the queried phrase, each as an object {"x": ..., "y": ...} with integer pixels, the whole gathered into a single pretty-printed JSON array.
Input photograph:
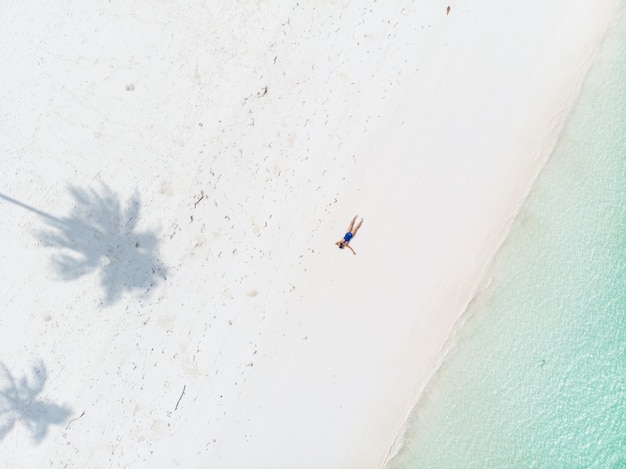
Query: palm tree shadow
[
  {"x": 19, "y": 403},
  {"x": 100, "y": 235}
]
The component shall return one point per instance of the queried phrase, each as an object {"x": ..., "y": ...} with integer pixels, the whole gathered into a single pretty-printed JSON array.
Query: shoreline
[
  {"x": 218, "y": 325},
  {"x": 497, "y": 330},
  {"x": 482, "y": 278}
]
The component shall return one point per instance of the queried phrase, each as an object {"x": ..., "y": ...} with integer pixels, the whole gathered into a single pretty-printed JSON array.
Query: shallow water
[{"x": 537, "y": 375}]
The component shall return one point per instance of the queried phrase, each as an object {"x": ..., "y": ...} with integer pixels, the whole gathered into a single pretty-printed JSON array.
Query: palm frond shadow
[
  {"x": 100, "y": 235},
  {"x": 19, "y": 403}
]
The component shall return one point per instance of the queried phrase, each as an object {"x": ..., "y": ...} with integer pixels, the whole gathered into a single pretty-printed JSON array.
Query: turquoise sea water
[{"x": 537, "y": 375}]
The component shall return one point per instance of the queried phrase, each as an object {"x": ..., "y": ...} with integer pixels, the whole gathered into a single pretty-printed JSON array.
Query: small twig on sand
[
  {"x": 68, "y": 423},
  {"x": 181, "y": 396},
  {"x": 198, "y": 201}
]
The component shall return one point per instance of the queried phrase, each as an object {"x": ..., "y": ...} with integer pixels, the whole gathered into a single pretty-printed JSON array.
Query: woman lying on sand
[{"x": 349, "y": 235}]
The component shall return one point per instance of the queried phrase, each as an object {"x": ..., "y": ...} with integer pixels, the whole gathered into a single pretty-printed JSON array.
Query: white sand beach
[{"x": 173, "y": 178}]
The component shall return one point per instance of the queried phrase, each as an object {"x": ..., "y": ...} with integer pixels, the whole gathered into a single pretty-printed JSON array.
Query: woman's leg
[
  {"x": 356, "y": 228},
  {"x": 351, "y": 224}
]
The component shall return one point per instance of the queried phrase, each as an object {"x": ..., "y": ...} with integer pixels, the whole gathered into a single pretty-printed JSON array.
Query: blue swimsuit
[{"x": 347, "y": 237}]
